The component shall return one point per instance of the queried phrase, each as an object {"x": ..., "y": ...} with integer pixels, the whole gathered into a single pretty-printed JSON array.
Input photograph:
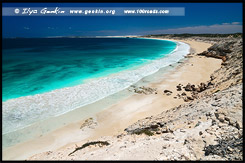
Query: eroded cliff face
[
  {"x": 218, "y": 109},
  {"x": 198, "y": 128},
  {"x": 231, "y": 70},
  {"x": 209, "y": 128}
]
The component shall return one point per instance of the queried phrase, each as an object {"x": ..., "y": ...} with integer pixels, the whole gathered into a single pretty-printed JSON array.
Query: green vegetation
[
  {"x": 88, "y": 144},
  {"x": 144, "y": 131},
  {"x": 198, "y": 123}
]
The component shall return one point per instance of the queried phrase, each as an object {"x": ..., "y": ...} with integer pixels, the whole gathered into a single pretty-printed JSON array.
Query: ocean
[
  {"x": 35, "y": 66},
  {"x": 47, "y": 77}
]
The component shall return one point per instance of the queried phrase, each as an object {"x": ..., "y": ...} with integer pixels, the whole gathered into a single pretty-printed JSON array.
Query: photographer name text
[{"x": 29, "y": 11}]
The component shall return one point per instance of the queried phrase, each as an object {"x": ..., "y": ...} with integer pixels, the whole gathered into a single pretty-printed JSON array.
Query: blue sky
[{"x": 199, "y": 18}]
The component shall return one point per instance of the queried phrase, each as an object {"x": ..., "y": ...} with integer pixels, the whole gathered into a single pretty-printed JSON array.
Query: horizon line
[{"x": 124, "y": 35}]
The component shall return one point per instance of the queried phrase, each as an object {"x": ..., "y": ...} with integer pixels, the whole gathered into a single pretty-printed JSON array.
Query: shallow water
[
  {"x": 33, "y": 110},
  {"x": 34, "y": 66}
]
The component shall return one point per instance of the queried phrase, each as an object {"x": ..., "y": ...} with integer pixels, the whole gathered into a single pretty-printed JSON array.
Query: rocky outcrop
[
  {"x": 231, "y": 70},
  {"x": 211, "y": 119},
  {"x": 179, "y": 87},
  {"x": 188, "y": 87},
  {"x": 209, "y": 127},
  {"x": 192, "y": 89},
  {"x": 228, "y": 148},
  {"x": 205, "y": 129},
  {"x": 167, "y": 92},
  {"x": 143, "y": 90},
  {"x": 230, "y": 73},
  {"x": 156, "y": 127},
  {"x": 220, "y": 50},
  {"x": 89, "y": 123}
]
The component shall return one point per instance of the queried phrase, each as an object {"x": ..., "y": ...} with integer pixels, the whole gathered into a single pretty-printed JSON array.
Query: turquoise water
[
  {"x": 45, "y": 78},
  {"x": 39, "y": 65}
]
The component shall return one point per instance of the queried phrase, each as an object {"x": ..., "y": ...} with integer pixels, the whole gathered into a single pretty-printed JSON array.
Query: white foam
[{"x": 21, "y": 112}]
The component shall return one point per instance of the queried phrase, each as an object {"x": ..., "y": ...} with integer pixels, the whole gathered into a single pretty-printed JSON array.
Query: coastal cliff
[{"x": 208, "y": 126}]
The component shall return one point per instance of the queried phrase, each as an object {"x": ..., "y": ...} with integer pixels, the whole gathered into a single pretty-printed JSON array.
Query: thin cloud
[
  {"x": 50, "y": 27},
  {"x": 27, "y": 28},
  {"x": 234, "y": 23},
  {"x": 216, "y": 28}
]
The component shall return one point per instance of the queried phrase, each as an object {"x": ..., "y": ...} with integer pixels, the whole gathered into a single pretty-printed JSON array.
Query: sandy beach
[{"x": 114, "y": 119}]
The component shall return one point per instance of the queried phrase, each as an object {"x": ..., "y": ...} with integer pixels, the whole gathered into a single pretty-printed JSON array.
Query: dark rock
[
  {"x": 200, "y": 133},
  {"x": 147, "y": 128},
  {"x": 178, "y": 87},
  {"x": 183, "y": 94},
  {"x": 213, "y": 122},
  {"x": 188, "y": 87},
  {"x": 186, "y": 141},
  {"x": 167, "y": 91},
  {"x": 154, "y": 126},
  {"x": 160, "y": 124},
  {"x": 210, "y": 83},
  {"x": 216, "y": 115},
  {"x": 201, "y": 87},
  {"x": 208, "y": 114},
  {"x": 229, "y": 148},
  {"x": 238, "y": 125},
  {"x": 190, "y": 98},
  {"x": 212, "y": 77},
  {"x": 193, "y": 87},
  {"x": 227, "y": 119}
]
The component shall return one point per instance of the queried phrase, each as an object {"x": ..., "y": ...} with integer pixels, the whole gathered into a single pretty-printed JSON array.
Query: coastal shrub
[
  {"x": 144, "y": 131},
  {"x": 186, "y": 35},
  {"x": 198, "y": 123},
  {"x": 90, "y": 143},
  {"x": 230, "y": 148}
]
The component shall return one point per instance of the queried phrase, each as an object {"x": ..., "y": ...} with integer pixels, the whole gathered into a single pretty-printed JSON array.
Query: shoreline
[
  {"x": 129, "y": 109},
  {"x": 16, "y": 135},
  {"x": 61, "y": 101}
]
